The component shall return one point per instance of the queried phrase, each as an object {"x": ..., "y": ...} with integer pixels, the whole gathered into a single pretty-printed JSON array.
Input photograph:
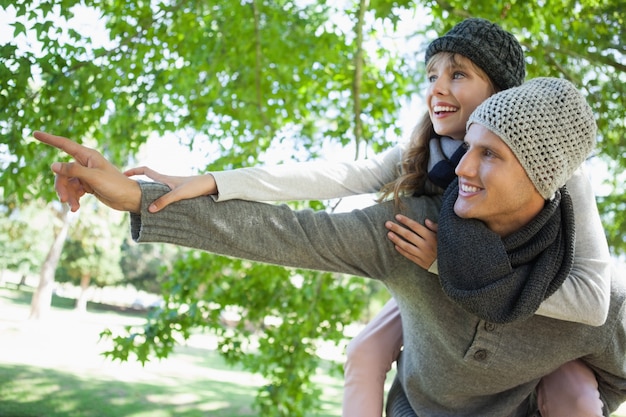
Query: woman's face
[{"x": 456, "y": 87}]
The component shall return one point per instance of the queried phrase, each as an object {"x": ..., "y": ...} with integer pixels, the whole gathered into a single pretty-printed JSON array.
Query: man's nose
[{"x": 466, "y": 166}]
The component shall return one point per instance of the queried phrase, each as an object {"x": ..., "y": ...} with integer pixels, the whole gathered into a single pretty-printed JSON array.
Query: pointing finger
[{"x": 79, "y": 152}]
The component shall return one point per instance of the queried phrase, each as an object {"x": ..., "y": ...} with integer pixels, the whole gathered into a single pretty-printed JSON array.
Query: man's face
[{"x": 493, "y": 186}]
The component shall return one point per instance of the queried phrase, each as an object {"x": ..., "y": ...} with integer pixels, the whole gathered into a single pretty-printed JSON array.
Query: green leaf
[{"x": 19, "y": 28}]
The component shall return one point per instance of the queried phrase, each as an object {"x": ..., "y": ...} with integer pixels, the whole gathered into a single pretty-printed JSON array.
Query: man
[{"x": 472, "y": 346}]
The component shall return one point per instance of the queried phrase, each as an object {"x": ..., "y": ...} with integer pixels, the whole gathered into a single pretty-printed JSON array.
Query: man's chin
[{"x": 461, "y": 210}]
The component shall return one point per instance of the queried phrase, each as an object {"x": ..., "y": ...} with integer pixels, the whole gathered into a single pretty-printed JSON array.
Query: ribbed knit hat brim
[{"x": 548, "y": 125}]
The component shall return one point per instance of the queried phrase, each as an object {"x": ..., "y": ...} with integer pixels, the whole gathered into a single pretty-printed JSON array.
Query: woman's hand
[
  {"x": 182, "y": 187},
  {"x": 416, "y": 242}
]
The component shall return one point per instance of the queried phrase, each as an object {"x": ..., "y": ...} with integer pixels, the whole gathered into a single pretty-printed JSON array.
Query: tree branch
[
  {"x": 258, "y": 65},
  {"x": 358, "y": 75}
]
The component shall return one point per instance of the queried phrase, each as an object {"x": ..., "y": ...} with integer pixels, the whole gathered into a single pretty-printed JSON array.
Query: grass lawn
[{"x": 54, "y": 368}]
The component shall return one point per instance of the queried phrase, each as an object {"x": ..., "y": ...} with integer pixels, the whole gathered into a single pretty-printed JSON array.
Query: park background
[{"x": 188, "y": 86}]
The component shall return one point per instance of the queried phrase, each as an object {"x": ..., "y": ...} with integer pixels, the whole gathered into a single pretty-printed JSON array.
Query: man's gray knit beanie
[
  {"x": 548, "y": 125},
  {"x": 493, "y": 49}
]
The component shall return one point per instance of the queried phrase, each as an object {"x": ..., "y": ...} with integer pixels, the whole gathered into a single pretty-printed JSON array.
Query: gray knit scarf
[{"x": 502, "y": 280}]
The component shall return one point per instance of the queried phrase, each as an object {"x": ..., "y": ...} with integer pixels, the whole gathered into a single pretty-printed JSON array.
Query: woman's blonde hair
[{"x": 414, "y": 166}]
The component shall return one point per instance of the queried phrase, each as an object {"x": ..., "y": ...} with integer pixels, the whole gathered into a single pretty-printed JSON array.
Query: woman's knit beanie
[
  {"x": 548, "y": 125},
  {"x": 493, "y": 49}
]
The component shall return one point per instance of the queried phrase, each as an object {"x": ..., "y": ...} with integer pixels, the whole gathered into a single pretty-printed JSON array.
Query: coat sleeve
[
  {"x": 584, "y": 295},
  {"x": 316, "y": 180},
  {"x": 353, "y": 243}
]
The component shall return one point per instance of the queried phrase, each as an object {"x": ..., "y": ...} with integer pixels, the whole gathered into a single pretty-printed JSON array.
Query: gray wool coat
[{"x": 453, "y": 363}]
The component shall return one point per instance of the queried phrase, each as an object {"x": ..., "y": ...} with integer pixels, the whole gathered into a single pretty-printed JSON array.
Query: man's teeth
[
  {"x": 438, "y": 109},
  {"x": 469, "y": 188}
]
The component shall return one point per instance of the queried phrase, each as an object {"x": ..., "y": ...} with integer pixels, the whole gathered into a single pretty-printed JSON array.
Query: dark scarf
[
  {"x": 505, "y": 279},
  {"x": 444, "y": 155}
]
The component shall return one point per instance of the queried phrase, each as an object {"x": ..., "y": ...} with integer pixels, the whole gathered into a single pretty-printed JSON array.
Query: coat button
[
  {"x": 490, "y": 327},
  {"x": 480, "y": 355}
]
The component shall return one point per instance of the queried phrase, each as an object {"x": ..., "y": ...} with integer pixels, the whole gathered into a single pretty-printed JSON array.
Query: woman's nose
[{"x": 440, "y": 86}]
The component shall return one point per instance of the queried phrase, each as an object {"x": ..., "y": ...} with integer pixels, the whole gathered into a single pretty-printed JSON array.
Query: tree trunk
[
  {"x": 22, "y": 282},
  {"x": 42, "y": 297},
  {"x": 81, "y": 301}
]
